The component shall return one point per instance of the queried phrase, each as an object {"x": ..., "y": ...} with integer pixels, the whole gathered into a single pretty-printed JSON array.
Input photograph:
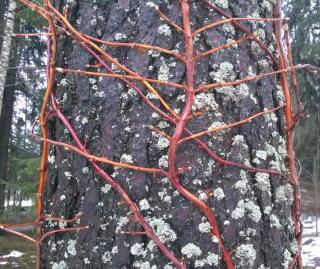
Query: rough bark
[
  {"x": 253, "y": 209},
  {"x": 6, "y": 46}
]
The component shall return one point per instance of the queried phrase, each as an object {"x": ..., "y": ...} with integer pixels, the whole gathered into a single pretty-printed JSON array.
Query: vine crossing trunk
[{"x": 251, "y": 209}]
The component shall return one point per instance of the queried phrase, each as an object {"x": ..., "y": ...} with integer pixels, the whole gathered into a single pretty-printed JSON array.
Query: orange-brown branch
[{"x": 232, "y": 125}]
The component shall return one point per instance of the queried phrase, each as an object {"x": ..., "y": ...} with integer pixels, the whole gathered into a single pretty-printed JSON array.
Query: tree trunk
[
  {"x": 6, "y": 46},
  {"x": 253, "y": 210},
  {"x": 6, "y": 116}
]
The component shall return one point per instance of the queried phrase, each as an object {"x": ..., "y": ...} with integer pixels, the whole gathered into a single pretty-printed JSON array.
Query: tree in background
[
  {"x": 304, "y": 28},
  {"x": 22, "y": 90}
]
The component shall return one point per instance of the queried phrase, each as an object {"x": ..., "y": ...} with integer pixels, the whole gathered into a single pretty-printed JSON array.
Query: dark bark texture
[{"x": 253, "y": 210}]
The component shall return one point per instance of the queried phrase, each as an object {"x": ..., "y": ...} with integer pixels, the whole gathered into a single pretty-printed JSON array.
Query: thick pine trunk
[{"x": 253, "y": 209}]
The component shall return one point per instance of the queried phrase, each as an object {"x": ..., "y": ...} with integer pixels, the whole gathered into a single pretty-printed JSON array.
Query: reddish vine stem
[
  {"x": 293, "y": 77},
  {"x": 289, "y": 116},
  {"x": 189, "y": 59},
  {"x": 174, "y": 179},
  {"x": 243, "y": 29},
  {"x": 135, "y": 210},
  {"x": 169, "y": 118},
  {"x": 228, "y": 126}
]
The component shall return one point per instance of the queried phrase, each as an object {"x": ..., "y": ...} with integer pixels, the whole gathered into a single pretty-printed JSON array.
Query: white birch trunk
[{"x": 6, "y": 46}]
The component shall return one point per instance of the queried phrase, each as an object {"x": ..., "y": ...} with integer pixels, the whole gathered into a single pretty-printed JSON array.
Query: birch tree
[{"x": 6, "y": 46}]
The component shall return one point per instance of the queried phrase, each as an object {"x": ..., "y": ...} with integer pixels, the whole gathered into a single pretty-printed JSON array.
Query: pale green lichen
[{"x": 224, "y": 73}]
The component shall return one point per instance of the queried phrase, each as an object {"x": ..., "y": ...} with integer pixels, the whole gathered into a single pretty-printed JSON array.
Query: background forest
[{"x": 25, "y": 84}]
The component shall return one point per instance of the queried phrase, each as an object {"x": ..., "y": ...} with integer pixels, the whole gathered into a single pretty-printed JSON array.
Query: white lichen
[
  {"x": 60, "y": 265},
  {"x": 191, "y": 250},
  {"x": 243, "y": 184},
  {"x": 248, "y": 207},
  {"x": 51, "y": 159},
  {"x": 85, "y": 170},
  {"x": 263, "y": 183},
  {"x": 121, "y": 222},
  {"x": 164, "y": 71},
  {"x": 205, "y": 101},
  {"x": 274, "y": 221},
  {"x": 203, "y": 196},
  {"x": 165, "y": 30},
  {"x": 163, "y": 142},
  {"x": 218, "y": 194},
  {"x": 239, "y": 211},
  {"x": 138, "y": 250},
  {"x": 163, "y": 161},
  {"x": 286, "y": 259},
  {"x": 71, "y": 248},
  {"x": 120, "y": 36},
  {"x": 106, "y": 188},
  {"x": 220, "y": 3},
  {"x": 68, "y": 174},
  {"x": 144, "y": 205},
  {"x": 205, "y": 227},
  {"x": 162, "y": 229},
  {"x": 284, "y": 194},
  {"x": 84, "y": 120},
  {"x": 246, "y": 255},
  {"x": 126, "y": 158}
]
